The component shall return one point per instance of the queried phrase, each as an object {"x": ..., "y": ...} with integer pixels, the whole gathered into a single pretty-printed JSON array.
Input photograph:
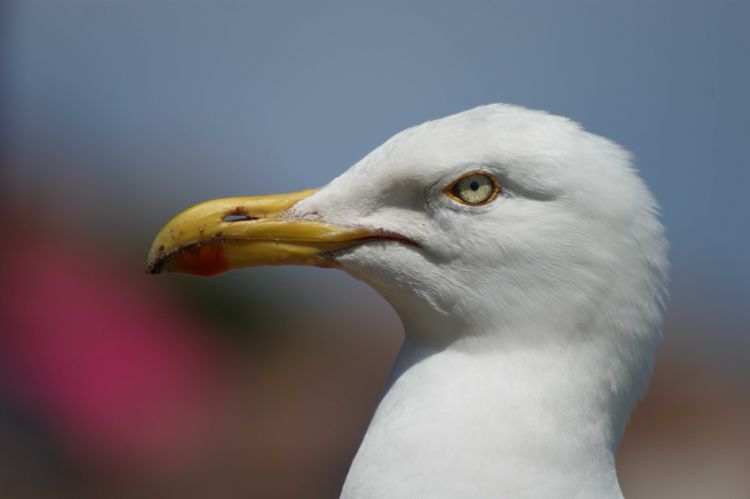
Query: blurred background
[{"x": 118, "y": 114}]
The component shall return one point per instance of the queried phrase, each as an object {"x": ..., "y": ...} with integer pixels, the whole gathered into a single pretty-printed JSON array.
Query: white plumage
[
  {"x": 531, "y": 322},
  {"x": 526, "y": 260}
]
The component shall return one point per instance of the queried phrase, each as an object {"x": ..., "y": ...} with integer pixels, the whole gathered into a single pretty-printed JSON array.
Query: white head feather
[{"x": 531, "y": 322}]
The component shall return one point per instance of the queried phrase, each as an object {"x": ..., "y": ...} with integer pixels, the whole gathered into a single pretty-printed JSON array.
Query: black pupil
[{"x": 474, "y": 185}]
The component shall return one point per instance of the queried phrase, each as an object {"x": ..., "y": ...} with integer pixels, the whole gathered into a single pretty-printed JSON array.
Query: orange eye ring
[{"x": 475, "y": 188}]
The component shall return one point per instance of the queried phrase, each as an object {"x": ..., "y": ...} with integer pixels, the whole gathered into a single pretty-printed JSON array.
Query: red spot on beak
[{"x": 205, "y": 259}]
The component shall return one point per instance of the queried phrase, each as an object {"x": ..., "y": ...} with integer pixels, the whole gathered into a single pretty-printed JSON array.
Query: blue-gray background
[{"x": 128, "y": 111}]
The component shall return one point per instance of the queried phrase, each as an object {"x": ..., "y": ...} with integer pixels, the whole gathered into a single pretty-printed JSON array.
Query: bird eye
[{"x": 474, "y": 188}]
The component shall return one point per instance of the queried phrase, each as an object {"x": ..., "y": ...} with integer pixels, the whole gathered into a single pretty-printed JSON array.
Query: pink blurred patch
[{"x": 100, "y": 355}]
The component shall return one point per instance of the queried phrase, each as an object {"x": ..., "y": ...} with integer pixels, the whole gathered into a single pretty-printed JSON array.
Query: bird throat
[{"x": 506, "y": 422}]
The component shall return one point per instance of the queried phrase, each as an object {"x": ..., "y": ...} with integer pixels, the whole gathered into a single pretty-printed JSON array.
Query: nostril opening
[{"x": 238, "y": 217}]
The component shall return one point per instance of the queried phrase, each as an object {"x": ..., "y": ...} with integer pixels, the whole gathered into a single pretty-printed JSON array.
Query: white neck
[{"x": 479, "y": 420}]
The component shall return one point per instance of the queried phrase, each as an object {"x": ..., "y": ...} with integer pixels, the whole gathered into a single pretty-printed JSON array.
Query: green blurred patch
[{"x": 248, "y": 312}]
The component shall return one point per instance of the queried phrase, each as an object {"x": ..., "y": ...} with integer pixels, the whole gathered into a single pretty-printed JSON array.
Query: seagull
[{"x": 527, "y": 263}]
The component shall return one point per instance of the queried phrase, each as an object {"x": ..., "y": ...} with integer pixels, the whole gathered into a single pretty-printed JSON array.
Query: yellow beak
[{"x": 230, "y": 233}]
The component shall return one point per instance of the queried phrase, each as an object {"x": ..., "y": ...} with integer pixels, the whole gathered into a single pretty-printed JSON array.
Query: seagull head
[{"x": 499, "y": 223}]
